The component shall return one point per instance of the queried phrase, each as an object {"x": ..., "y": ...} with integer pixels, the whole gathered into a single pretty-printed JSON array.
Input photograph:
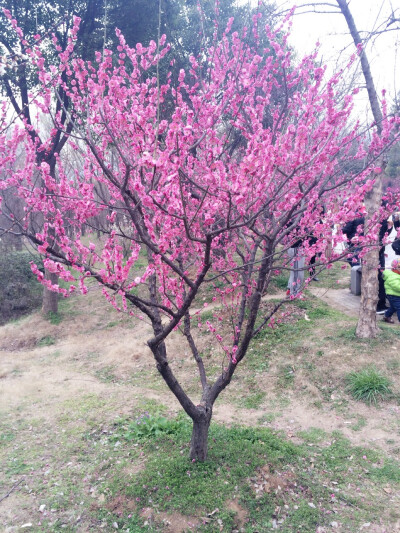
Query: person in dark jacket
[
  {"x": 311, "y": 241},
  {"x": 350, "y": 230},
  {"x": 396, "y": 224}
]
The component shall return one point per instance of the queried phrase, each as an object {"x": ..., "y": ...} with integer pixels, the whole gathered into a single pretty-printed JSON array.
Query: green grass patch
[
  {"x": 48, "y": 340},
  {"x": 253, "y": 400},
  {"x": 313, "y": 435},
  {"x": 172, "y": 482},
  {"x": 106, "y": 374},
  {"x": 286, "y": 375},
  {"x": 7, "y": 435},
  {"x": 359, "y": 424},
  {"x": 147, "y": 426},
  {"x": 280, "y": 281},
  {"x": 290, "y": 336},
  {"x": 17, "y": 466},
  {"x": 112, "y": 324},
  {"x": 54, "y": 318},
  {"x": 309, "y": 483},
  {"x": 368, "y": 385},
  {"x": 388, "y": 472},
  {"x": 117, "y": 471}
]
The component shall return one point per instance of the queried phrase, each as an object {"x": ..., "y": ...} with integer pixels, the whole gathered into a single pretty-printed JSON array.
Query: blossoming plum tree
[{"x": 213, "y": 193}]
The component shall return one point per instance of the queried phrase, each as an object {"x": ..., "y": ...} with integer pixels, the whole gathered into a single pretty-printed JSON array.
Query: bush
[
  {"x": 368, "y": 385},
  {"x": 20, "y": 292}
]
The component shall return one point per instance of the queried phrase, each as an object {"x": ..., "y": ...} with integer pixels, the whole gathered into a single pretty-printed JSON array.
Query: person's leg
[
  {"x": 382, "y": 257},
  {"x": 298, "y": 269},
  {"x": 294, "y": 287},
  {"x": 291, "y": 253},
  {"x": 312, "y": 265},
  {"x": 381, "y": 305},
  {"x": 392, "y": 309},
  {"x": 396, "y": 304}
]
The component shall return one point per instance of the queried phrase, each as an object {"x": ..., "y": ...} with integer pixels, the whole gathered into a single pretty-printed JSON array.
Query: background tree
[
  {"x": 393, "y": 167},
  {"x": 40, "y": 21},
  {"x": 367, "y": 324}
]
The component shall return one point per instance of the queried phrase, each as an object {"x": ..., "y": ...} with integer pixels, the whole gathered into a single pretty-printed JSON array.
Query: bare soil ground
[{"x": 95, "y": 365}]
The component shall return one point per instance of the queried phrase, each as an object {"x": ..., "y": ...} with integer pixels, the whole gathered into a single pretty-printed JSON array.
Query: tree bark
[
  {"x": 199, "y": 441},
  {"x": 50, "y": 298},
  {"x": 367, "y": 327}
]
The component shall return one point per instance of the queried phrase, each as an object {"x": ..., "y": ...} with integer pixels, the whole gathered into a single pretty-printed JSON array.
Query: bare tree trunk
[
  {"x": 366, "y": 327},
  {"x": 50, "y": 298},
  {"x": 199, "y": 441}
]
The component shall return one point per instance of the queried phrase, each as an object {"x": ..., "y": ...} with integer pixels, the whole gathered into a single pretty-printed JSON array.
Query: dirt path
[{"x": 340, "y": 299}]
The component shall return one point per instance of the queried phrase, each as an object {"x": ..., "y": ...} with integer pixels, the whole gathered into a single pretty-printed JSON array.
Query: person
[
  {"x": 312, "y": 240},
  {"x": 392, "y": 287},
  {"x": 311, "y": 263},
  {"x": 396, "y": 220},
  {"x": 296, "y": 277},
  {"x": 350, "y": 230},
  {"x": 396, "y": 224},
  {"x": 386, "y": 227}
]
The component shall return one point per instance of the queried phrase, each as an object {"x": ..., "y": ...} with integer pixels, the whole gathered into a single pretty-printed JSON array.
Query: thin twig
[{"x": 12, "y": 489}]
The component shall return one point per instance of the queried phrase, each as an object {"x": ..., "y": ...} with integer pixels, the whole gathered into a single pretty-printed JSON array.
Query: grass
[
  {"x": 106, "y": 374},
  {"x": 280, "y": 281},
  {"x": 147, "y": 426},
  {"x": 309, "y": 483},
  {"x": 257, "y": 476},
  {"x": 169, "y": 482},
  {"x": 54, "y": 318},
  {"x": 254, "y": 400},
  {"x": 393, "y": 366},
  {"x": 368, "y": 385},
  {"x": 286, "y": 375},
  {"x": 359, "y": 424},
  {"x": 104, "y": 456},
  {"x": 289, "y": 337},
  {"x": 47, "y": 340}
]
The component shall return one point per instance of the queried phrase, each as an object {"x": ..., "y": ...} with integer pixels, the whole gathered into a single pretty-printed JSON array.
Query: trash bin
[{"x": 355, "y": 280}]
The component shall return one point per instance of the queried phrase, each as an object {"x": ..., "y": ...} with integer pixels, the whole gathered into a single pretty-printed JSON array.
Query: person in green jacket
[{"x": 392, "y": 289}]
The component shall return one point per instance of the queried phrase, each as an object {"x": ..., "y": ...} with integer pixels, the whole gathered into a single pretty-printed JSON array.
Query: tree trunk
[
  {"x": 366, "y": 326},
  {"x": 199, "y": 442},
  {"x": 50, "y": 298}
]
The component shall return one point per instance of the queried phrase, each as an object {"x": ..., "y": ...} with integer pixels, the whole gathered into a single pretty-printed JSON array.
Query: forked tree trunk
[
  {"x": 199, "y": 442},
  {"x": 50, "y": 298}
]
